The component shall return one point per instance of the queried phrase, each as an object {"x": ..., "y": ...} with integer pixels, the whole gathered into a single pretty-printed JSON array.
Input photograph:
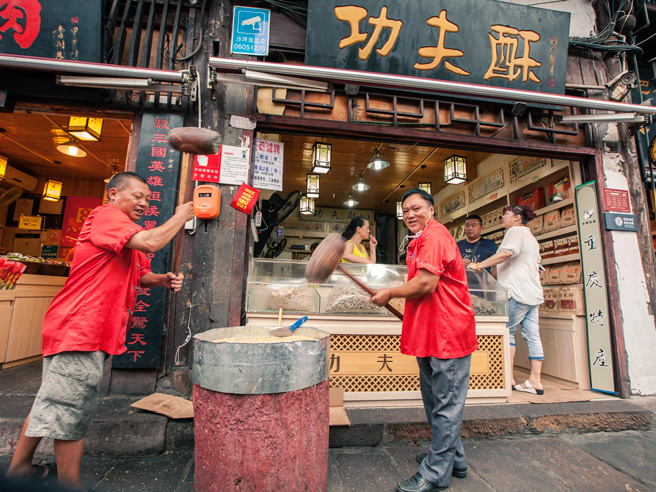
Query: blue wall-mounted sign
[
  {"x": 472, "y": 41},
  {"x": 250, "y": 31}
]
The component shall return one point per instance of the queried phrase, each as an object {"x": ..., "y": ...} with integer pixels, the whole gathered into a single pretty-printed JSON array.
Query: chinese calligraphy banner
[
  {"x": 594, "y": 289},
  {"x": 68, "y": 30},
  {"x": 268, "y": 158},
  {"x": 474, "y": 41},
  {"x": 326, "y": 214},
  {"x": 158, "y": 163}
]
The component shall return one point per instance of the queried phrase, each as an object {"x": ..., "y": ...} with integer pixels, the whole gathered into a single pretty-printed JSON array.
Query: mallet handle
[{"x": 369, "y": 290}]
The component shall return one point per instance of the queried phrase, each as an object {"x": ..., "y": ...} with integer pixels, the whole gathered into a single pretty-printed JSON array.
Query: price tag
[{"x": 27, "y": 222}]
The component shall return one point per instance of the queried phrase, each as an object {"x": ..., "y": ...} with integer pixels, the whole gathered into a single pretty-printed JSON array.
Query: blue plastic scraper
[{"x": 286, "y": 331}]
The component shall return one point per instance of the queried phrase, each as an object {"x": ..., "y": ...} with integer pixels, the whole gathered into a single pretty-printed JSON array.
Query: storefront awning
[{"x": 312, "y": 73}]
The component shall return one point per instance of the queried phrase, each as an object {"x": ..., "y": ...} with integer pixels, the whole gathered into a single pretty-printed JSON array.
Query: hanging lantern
[
  {"x": 3, "y": 166},
  {"x": 350, "y": 201},
  {"x": 52, "y": 190},
  {"x": 307, "y": 205},
  {"x": 312, "y": 185},
  {"x": 360, "y": 185},
  {"x": 87, "y": 129},
  {"x": 377, "y": 162},
  {"x": 455, "y": 170},
  {"x": 321, "y": 157},
  {"x": 425, "y": 187},
  {"x": 71, "y": 148},
  {"x": 399, "y": 210}
]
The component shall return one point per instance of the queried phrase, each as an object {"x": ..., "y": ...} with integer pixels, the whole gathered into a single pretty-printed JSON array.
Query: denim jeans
[{"x": 527, "y": 316}]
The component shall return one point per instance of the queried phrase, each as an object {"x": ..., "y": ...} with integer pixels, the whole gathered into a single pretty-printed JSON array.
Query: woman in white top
[{"x": 518, "y": 261}]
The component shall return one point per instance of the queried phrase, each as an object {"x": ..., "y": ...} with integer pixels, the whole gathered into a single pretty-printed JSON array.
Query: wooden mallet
[{"x": 325, "y": 260}]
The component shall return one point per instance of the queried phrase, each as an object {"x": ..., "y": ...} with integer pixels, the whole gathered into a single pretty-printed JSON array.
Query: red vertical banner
[{"x": 76, "y": 212}]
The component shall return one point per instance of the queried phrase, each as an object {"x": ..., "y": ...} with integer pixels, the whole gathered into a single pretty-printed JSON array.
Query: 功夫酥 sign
[{"x": 475, "y": 41}]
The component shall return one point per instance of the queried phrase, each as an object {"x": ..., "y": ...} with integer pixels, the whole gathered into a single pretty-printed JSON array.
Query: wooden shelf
[
  {"x": 561, "y": 259},
  {"x": 555, "y": 206},
  {"x": 558, "y": 232}
]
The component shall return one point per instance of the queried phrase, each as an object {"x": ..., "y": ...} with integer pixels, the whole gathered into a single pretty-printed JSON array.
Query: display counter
[
  {"x": 365, "y": 358},
  {"x": 22, "y": 310}
]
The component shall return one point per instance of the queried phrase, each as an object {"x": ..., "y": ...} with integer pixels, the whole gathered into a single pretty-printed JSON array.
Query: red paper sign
[
  {"x": 75, "y": 213},
  {"x": 207, "y": 168},
  {"x": 616, "y": 201},
  {"x": 245, "y": 198}
]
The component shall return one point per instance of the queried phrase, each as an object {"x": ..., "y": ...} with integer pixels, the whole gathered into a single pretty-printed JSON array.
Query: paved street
[{"x": 622, "y": 461}]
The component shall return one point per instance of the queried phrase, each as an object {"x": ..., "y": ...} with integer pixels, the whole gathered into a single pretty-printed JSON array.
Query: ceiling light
[
  {"x": 312, "y": 185},
  {"x": 71, "y": 148},
  {"x": 52, "y": 190},
  {"x": 350, "y": 201},
  {"x": 600, "y": 118},
  {"x": 87, "y": 129},
  {"x": 321, "y": 157},
  {"x": 377, "y": 162},
  {"x": 425, "y": 187},
  {"x": 360, "y": 185},
  {"x": 455, "y": 169},
  {"x": 3, "y": 166},
  {"x": 307, "y": 205}
]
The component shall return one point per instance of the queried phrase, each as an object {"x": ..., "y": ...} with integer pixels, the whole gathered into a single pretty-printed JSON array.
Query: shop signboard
[
  {"x": 67, "y": 30},
  {"x": 250, "y": 31},
  {"x": 327, "y": 214},
  {"x": 159, "y": 164},
  {"x": 594, "y": 289},
  {"x": 30, "y": 222},
  {"x": 49, "y": 251},
  {"x": 473, "y": 41}
]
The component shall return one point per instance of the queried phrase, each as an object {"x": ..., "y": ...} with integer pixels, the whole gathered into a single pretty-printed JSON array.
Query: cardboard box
[
  {"x": 573, "y": 245},
  {"x": 536, "y": 225},
  {"x": 551, "y": 221},
  {"x": 544, "y": 276},
  {"x": 546, "y": 249},
  {"x": 550, "y": 304},
  {"x": 555, "y": 273},
  {"x": 561, "y": 246},
  {"x": 560, "y": 189},
  {"x": 571, "y": 300},
  {"x": 534, "y": 198},
  {"x": 567, "y": 216},
  {"x": 571, "y": 273}
]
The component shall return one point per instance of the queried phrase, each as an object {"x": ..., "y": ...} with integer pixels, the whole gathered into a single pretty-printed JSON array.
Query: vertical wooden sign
[
  {"x": 159, "y": 164},
  {"x": 596, "y": 297}
]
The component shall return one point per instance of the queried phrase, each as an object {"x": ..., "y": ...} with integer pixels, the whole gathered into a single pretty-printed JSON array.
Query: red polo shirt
[
  {"x": 440, "y": 324},
  {"x": 91, "y": 311}
]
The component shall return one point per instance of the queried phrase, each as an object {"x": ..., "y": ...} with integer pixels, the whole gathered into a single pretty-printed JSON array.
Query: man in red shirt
[
  {"x": 87, "y": 321},
  {"x": 440, "y": 330}
]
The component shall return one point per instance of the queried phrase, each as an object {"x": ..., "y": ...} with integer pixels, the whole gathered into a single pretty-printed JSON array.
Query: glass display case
[
  {"x": 488, "y": 297},
  {"x": 273, "y": 284}
]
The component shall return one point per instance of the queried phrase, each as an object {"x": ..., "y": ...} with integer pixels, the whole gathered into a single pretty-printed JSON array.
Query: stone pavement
[{"x": 600, "y": 461}]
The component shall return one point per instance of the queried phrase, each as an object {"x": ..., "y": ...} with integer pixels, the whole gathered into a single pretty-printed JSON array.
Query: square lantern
[
  {"x": 3, "y": 166},
  {"x": 307, "y": 205},
  {"x": 312, "y": 185},
  {"x": 86, "y": 129},
  {"x": 425, "y": 187},
  {"x": 52, "y": 190},
  {"x": 455, "y": 169},
  {"x": 321, "y": 157},
  {"x": 399, "y": 210}
]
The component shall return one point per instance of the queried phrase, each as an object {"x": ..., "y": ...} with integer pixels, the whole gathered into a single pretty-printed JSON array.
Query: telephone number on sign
[{"x": 249, "y": 47}]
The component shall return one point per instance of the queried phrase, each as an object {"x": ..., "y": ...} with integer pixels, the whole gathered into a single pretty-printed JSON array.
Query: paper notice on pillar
[
  {"x": 235, "y": 163},
  {"x": 206, "y": 168},
  {"x": 268, "y": 161}
]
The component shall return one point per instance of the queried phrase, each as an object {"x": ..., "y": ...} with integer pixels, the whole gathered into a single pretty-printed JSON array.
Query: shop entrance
[{"x": 494, "y": 181}]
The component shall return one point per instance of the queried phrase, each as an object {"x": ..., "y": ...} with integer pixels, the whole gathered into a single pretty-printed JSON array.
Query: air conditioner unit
[{"x": 14, "y": 177}]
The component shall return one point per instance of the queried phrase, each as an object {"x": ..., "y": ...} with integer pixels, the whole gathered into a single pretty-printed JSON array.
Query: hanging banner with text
[
  {"x": 268, "y": 159},
  {"x": 473, "y": 41},
  {"x": 594, "y": 289},
  {"x": 158, "y": 163}
]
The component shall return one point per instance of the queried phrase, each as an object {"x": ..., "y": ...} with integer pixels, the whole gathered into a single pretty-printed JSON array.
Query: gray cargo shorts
[{"x": 67, "y": 399}]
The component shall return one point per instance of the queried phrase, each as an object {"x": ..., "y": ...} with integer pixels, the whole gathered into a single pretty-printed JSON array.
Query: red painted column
[{"x": 270, "y": 442}]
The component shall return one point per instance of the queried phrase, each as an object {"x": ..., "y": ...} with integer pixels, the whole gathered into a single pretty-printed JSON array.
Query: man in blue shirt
[{"x": 474, "y": 248}]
